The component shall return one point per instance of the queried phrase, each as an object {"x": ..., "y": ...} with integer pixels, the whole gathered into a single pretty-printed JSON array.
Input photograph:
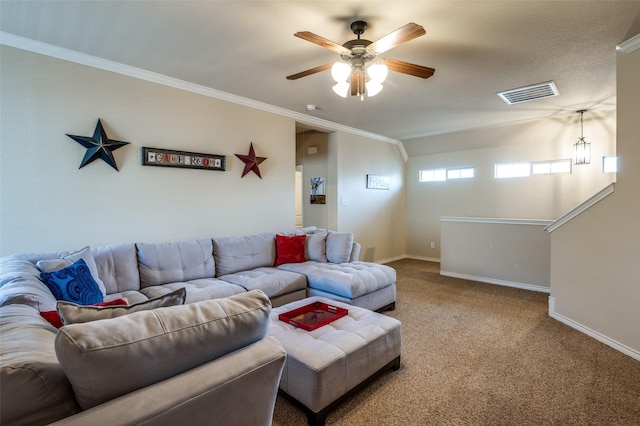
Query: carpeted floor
[{"x": 483, "y": 354}]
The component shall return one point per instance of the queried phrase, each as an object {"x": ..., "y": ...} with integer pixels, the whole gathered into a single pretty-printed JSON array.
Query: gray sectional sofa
[{"x": 235, "y": 277}]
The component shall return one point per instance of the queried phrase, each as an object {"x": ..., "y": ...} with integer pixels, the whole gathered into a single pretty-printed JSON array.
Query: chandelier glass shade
[
  {"x": 582, "y": 148},
  {"x": 345, "y": 74}
]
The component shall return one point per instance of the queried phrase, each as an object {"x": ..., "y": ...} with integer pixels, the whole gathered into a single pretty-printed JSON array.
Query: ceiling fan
[{"x": 360, "y": 68}]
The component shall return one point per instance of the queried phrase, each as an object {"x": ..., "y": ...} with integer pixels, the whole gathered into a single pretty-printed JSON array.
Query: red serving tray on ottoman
[{"x": 313, "y": 315}]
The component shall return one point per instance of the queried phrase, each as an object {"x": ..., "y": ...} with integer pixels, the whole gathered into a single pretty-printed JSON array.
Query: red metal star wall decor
[{"x": 251, "y": 162}]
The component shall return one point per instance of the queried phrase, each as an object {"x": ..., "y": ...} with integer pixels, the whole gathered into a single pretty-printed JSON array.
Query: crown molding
[
  {"x": 629, "y": 45},
  {"x": 46, "y": 49}
]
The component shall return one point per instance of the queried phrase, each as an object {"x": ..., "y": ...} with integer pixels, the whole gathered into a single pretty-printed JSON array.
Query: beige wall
[
  {"x": 376, "y": 217},
  {"x": 595, "y": 268},
  {"x": 508, "y": 252},
  {"x": 537, "y": 197},
  {"x": 314, "y": 165},
  {"x": 48, "y": 204}
]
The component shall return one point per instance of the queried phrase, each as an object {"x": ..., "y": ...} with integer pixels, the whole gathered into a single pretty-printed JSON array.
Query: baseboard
[
  {"x": 591, "y": 333},
  {"x": 428, "y": 259},
  {"x": 405, "y": 256},
  {"x": 391, "y": 259},
  {"x": 523, "y": 286}
]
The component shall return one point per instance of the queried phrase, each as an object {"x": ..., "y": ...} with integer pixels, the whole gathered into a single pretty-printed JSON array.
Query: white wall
[
  {"x": 595, "y": 258},
  {"x": 537, "y": 197},
  {"x": 48, "y": 204},
  {"x": 376, "y": 217}
]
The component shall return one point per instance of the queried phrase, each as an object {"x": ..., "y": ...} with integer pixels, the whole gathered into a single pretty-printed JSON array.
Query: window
[
  {"x": 511, "y": 170},
  {"x": 440, "y": 175},
  {"x": 609, "y": 164},
  {"x": 461, "y": 173},
  {"x": 551, "y": 167},
  {"x": 433, "y": 175}
]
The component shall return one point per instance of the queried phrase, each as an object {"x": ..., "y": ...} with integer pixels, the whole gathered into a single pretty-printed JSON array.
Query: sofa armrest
[{"x": 238, "y": 388}]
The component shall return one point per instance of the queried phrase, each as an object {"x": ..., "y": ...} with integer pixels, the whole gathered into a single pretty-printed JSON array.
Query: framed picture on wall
[
  {"x": 378, "y": 182},
  {"x": 318, "y": 195}
]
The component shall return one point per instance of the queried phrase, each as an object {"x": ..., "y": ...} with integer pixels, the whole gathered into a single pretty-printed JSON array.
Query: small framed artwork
[
  {"x": 378, "y": 182},
  {"x": 182, "y": 159},
  {"x": 318, "y": 195}
]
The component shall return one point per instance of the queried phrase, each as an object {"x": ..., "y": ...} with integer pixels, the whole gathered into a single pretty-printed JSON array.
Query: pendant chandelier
[{"x": 581, "y": 149}]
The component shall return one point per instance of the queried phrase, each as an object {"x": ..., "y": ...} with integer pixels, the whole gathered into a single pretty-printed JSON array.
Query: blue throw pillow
[{"x": 73, "y": 284}]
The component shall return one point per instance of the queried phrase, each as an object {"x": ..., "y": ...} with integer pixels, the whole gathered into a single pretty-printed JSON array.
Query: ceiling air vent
[{"x": 529, "y": 93}]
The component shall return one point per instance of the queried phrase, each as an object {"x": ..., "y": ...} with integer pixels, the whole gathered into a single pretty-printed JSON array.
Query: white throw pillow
[
  {"x": 316, "y": 246},
  {"x": 339, "y": 246}
]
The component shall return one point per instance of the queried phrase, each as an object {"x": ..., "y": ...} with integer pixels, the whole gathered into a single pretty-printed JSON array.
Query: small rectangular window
[
  {"x": 511, "y": 170},
  {"x": 610, "y": 164},
  {"x": 551, "y": 167},
  {"x": 439, "y": 175},
  {"x": 461, "y": 173},
  {"x": 433, "y": 175}
]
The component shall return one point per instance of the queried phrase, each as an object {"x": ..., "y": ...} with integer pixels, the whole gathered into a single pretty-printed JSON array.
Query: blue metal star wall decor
[
  {"x": 98, "y": 146},
  {"x": 251, "y": 162}
]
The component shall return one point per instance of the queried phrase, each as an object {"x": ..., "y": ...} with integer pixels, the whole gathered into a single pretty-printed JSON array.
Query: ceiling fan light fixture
[
  {"x": 373, "y": 88},
  {"x": 377, "y": 72},
  {"x": 341, "y": 89},
  {"x": 340, "y": 72}
]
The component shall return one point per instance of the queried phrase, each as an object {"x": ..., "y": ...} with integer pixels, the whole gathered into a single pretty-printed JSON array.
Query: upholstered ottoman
[{"x": 326, "y": 364}]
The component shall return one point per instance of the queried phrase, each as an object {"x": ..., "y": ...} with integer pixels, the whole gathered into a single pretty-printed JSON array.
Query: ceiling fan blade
[
  {"x": 401, "y": 35},
  {"x": 407, "y": 68},
  {"x": 309, "y": 72},
  {"x": 321, "y": 41}
]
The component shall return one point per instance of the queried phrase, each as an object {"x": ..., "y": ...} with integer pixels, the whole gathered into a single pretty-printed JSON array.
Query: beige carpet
[{"x": 483, "y": 354}]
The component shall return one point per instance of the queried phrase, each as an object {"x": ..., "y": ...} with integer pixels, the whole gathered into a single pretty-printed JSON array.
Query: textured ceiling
[{"x": 246, "y": 48}]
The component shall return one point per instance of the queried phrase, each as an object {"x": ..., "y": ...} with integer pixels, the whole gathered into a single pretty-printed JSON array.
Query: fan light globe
[
  {"x": 373, "y": 88},
  {"x": 340, "y": 71},
  {"x": 341, "y": 89},
  {"x": 377, "y": 72}
]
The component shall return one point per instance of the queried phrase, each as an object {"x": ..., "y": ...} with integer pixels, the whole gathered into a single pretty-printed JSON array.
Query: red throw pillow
[
  {"x": 54, "y": 318},
  {"x": 290, "y": 249},
  {"x": 113, "y": 303}
]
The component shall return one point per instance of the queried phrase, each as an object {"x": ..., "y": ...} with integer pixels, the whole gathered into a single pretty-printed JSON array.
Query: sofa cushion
[
  {"x": 273, "y": 281},
  {"x": 54, "y": 317},
  {"x": 339, "y": 245},
  {"x": 235, "y": 254},
  {"x": 349, "y": 280},
  {"x": 197, "y": 290},
  {"x": 33, "y": 386},
  {"x": 162, "y": 263},
  {"x": 118, "y": 267},
  {"x": 73, "y": 283},
  {"x": 150, "y": 346},
  {"x": 67, "y": 259},
  {"x": 290, "y": 249},
  {"x": 71, "y": 313}
]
